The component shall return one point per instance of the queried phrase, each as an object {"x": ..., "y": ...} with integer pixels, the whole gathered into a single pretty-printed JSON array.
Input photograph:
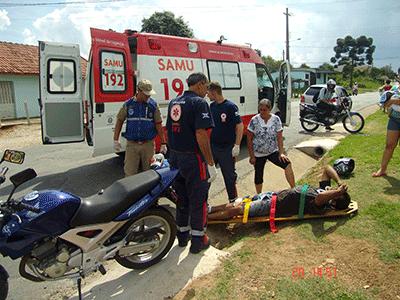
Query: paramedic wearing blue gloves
[
  {"x": 188, "y": 119},
  {"x": 143, "y": 123},
  {"x": 226, "y": 136}
]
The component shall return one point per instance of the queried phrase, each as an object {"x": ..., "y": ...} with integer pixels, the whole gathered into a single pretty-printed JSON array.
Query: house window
[
  {"x": 61, "y": 76},
  {"x": 318, "y": 75},
  {"x": 226, "y": 73},
  {"x": 306, "y": 76},
  {"x": 7, "y": 103}
]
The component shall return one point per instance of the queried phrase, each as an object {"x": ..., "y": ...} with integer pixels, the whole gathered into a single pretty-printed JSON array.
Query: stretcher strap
[
  {"x": 302, "y": 201},
  {"x": 247, "y": 202},
  {"x": 272, "y": 214}
]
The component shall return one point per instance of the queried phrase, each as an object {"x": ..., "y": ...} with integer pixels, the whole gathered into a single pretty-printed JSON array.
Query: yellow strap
[
  {"x": 246, "y": 211},
  {"x": 246, "y": 200}
]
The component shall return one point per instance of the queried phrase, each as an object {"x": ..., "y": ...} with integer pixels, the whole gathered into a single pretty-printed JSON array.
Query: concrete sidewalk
[
  {"x": 179, "y": 268},
  {"x": 7, "y": 123}
]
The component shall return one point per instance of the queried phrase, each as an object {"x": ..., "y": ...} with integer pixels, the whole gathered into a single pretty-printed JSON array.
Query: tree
[
  {"x": 351, "y": 52},
  {"x": 166, "y": 23},
  {"x": 304, "y": 65},
  {"x": 388, "y": 71},
  {"x": 326, "y": 67},
  {"x": 272, "y": 64}
]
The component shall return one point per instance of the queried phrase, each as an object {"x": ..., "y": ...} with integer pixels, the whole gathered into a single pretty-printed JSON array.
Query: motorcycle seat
[{"x": 115, "y": 199}]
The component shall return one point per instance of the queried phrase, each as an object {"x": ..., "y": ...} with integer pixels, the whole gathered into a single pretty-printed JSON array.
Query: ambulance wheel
[
  {"x": 307, "y": 126},
  {"x": 149, "y": 238}
]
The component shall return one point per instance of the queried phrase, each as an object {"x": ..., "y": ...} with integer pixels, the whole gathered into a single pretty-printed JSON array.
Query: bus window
[{"x": 264, "y": 83}]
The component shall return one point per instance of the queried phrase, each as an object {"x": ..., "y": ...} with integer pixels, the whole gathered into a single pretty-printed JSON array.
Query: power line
[{"x": 8, "y": 5}]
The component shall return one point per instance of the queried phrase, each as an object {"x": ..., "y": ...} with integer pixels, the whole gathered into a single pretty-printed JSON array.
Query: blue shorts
[
  {"x": 393, "y": 124},
  {"x": 261, "y": 205}
]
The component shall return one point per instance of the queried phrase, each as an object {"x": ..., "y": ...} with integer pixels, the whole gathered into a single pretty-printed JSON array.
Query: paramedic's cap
[
  {"x": 146, "y": 87},
  {"x": 196, "y": 78}
]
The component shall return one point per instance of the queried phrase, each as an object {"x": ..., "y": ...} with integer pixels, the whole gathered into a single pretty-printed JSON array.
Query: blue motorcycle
[{"x": 58, "y": 235}]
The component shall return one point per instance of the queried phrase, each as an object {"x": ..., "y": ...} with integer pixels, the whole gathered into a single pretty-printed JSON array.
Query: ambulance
[{"x": 73, "y": 111}]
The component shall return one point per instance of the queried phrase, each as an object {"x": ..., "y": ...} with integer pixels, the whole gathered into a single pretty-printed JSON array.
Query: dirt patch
[
  {"x": 20, "y": 136},
  {"x": 354, "y": 263}
]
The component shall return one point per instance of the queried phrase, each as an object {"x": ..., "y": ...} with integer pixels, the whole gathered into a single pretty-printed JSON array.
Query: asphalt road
[{"x": 71, "y": 167}]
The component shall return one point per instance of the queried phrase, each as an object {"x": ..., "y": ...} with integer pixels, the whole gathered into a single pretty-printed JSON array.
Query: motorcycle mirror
[
  {"x": 22, "y": 177},
  {"x": 13, "y": 156}
]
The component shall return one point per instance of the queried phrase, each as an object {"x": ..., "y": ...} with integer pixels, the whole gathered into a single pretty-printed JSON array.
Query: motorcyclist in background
[{"x": 324, "y": 97}]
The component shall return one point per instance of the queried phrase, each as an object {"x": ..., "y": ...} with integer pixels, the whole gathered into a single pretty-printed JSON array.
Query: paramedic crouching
[
  {"x": 189, "y": 117},
  {"x": 317, "y": 200},
  {"x": 143, "y": 124}
]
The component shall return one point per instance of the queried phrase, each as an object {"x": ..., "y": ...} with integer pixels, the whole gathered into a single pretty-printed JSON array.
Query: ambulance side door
[
  {"x": 60, "y": 93},
  {"x": 113, "y": 84},
  {"x": 284, "y": 93}
]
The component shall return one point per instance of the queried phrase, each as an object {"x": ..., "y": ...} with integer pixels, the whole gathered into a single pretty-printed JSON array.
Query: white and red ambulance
[{"x": 72, "y": 111}]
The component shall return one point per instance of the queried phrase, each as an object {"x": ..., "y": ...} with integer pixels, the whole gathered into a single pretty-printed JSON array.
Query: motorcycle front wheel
[
  {"x": 150, "y": 237},
  {"x": 353, "y": 123},
  {"x": 307, "y": 126}
]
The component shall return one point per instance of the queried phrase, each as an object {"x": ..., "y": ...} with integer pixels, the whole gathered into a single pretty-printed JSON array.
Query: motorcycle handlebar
[
  {"x": 13, "y": 206},
  {"x": 22, "y": 206},
  {"x": 3, "y": 173}
]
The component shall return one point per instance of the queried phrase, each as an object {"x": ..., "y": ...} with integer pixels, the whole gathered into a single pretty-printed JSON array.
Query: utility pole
[
  {"x": 283, "y": 54},
  {"x": 287, "y": 33}
]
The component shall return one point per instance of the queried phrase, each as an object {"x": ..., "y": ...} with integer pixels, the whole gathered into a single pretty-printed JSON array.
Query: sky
[{"x": 314, "y": 25}]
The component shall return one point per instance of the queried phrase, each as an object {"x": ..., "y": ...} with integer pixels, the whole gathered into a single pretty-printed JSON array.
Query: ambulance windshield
[{"x": 263, "y": 80}]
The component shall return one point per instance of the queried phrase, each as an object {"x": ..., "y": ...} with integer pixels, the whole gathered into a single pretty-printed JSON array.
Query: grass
[
  {"x": 378, "y": 219},
  {"x": 246, "y": 275},
  {"x": 315, "y": 288},
  {"x": 223, "y": 286}
]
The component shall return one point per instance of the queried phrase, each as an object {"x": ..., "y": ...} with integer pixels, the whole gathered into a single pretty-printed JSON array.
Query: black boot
[
  {"x": 183, "y": 238},
  {"x": 199, "y": 244}
]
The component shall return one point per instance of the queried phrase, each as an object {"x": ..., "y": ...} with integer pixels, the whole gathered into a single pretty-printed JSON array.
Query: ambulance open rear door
[
  {"x": 60, "y": 93},
  {"x": 112, "y": 82},
  {"x": 284, "y": 93}
]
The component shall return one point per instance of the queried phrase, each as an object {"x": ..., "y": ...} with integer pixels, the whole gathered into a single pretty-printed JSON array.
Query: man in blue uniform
[
  {"x": 188, "y": 119},
  {"x": 143, "y": 124},
  {"x": 226, "y": 136}
]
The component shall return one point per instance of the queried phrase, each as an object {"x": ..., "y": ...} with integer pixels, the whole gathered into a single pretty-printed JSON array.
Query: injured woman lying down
[{"x": 316, "y": 201}]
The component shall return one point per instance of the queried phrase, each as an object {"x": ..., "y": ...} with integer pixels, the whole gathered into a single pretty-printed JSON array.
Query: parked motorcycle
[
  {"x": 58, "y": 235},
  {"x": 311, "y": 117}
]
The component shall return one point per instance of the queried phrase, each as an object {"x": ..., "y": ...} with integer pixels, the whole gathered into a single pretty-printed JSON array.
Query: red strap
[{"x": 272, "y": 214}]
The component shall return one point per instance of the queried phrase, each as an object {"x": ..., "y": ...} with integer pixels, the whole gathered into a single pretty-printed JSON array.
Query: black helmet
[
  {"x": 344, "y": 166},
  {"x": 331, "y": 84}
]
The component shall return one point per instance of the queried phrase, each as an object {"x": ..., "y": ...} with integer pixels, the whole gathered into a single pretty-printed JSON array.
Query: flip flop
[{"x": 376, "y": 174}]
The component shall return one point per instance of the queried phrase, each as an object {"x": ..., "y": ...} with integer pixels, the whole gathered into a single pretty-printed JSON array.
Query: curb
[{"x": 9, "y": 123}]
